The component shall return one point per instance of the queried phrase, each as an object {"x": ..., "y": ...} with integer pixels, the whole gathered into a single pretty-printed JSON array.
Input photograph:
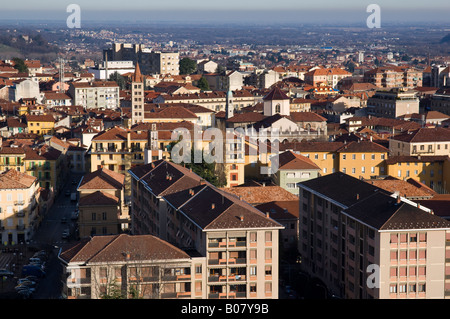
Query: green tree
[
  {"x": 203, "y": 84},
  {"x": 20, "y": 65},
  {"x": 188, "y": 66},
  {"x": 119, "y": 79}
]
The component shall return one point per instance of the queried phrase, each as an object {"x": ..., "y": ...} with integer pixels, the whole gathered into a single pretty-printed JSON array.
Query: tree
[
  {"x": 20, "y": 65},
  {"x": 203, "y": 84},
  {"x": 119, "y": 79},
  {"x": 187, "y": 66}
]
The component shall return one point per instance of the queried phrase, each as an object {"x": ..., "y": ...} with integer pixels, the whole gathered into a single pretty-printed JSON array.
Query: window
[
  {"x": 268, "y": 236},
  {"x": 344, "y": 156}
]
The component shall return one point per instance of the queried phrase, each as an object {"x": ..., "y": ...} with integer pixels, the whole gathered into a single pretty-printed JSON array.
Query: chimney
[
  {"x": 267, "y": 214},
  {"x": 398, "y": 199},
  {"x": 213, "y": 206},
  {"x": 242, "y": 218},
  {"x": 357, "y": 196}
]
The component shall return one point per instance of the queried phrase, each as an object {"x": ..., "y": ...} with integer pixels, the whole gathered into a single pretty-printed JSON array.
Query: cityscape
[{"x": 239, "y": 152}]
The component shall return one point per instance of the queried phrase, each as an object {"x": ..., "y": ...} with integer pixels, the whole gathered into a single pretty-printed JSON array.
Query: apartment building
[
  {"x": 328, "y": 76},
  {"x": 102, "y": 207},
  {"x": 40, "y": 124},
  {"x": 292, "y": 169},
  {"x": 393, "y": 103},
  {"x": 440, "y": 101},
  {"x": 131, "y": 267},
  {"x": 360, "y": 159},
  {"x": 421, "y": 142},
  {"x": 239, "y": 242},
  {"x": 18, "y": 206},
  {"x": 432, "y": 171},
  {"x": 394, "y": 77},
  {"x": 365, "y": 243},
  {"x": 95, "y": 95}
]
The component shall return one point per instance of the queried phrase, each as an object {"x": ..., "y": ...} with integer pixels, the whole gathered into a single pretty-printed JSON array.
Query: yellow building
[
  {"x": 358, "y": 158},
  {"x": 433, "y": 171},
  {"x": 12, "y": 158},
  {"x": 40, "y": 124},
  {"x": 47, "y": 164},
  {"x": 102, "y": 208}
]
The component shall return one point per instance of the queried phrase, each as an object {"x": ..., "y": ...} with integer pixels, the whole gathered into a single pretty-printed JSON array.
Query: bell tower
[{"x": 137, "y": 96}]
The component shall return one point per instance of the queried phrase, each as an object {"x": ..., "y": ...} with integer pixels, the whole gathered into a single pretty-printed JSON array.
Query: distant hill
[
  {"x": 26, "y": 44},
  {"x": 445, "y": 39}
]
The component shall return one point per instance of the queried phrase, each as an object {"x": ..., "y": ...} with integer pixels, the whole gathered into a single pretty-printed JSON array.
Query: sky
[{"x": 321, "y": 11}]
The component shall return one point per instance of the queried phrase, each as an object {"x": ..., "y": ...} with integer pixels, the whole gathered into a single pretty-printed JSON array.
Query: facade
[
  {"x": 293, "y": 168},
  {"x": 360, "y": 159},
  {"x": 239, "y": 242},
  {"x": 421, "y": 142},
  {"x": 365, "y": 243},
  {"x": 394, "y": 77},
  {"x": 330, "y": 77},
  {"x": 432, "y": 171},
  {"x": 102, "y": 208},
  {"x": 132, "y": 267},
  {"x": 107, "y": 68},
  {"x": 440, "y": 101},
  {"x": 393, "y": 103},
  {"x": 95, "y": 95},
  {"x": 18, "y": 207},
  {"x": 40, "y": 124}
]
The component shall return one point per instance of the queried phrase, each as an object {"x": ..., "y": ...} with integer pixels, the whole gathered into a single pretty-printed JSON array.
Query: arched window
[{"x": 277, "y": 108}]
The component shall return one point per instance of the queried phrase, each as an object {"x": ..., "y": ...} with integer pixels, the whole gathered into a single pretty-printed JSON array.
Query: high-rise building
[{"x": 151, "y": 62}]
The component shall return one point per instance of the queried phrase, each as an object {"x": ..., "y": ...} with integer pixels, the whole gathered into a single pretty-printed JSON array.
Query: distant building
[
  {"x": 107, "y": 68},
  {"x": 393, "y": 103},
  {"x": 150, "y": 62}
]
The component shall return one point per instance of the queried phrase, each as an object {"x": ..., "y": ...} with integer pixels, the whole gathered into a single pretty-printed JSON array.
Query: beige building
[
  {"x": 239, "y": 242},
  {"x": 393, "y": 103},
  {"x": 102, "y": 207},
  {"x": 366, "y": 243},
  {"x": 421, "y": 142},
  {"x": 19, "y": 213},
  {"x": 131, "y": 267}
]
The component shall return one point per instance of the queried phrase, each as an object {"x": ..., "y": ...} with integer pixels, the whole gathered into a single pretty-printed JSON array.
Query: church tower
[
  {"x": 276, "y": 102},
  {"x": 137, "y": 96}
]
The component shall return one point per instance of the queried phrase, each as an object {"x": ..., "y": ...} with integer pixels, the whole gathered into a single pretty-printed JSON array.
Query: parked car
[
  {"x": 66, "y": 233},
  {"x": 26, "y": 282},
  {"x": 5, "y": 272},
  {"x": 33, "y": 270},
  {"x": 64, "y": 220},
  {"x": 25, "y": 293}
]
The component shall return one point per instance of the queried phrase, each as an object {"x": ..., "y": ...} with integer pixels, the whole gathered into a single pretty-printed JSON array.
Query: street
[{"x": 49, "y": 235}]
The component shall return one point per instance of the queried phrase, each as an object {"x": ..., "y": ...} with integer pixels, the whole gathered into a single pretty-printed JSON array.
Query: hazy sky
[{"x": 270, "y": 11}]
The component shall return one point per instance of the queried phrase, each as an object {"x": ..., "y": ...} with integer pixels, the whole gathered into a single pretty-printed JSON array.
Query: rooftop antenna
[{"x": 61, "y": 75}]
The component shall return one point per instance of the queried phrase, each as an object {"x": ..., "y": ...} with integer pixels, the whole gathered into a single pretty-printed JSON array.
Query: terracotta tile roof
[
  {"x": 306, "y": 117},
  {"x": 12, "y": 150},
  {"x": 114, "y": 248},
  {"x": 116, "y": 133},
  {"x": 289, "y": 160},
  {"x": 40, "y": 118},
  {"x": 275, "y": 94},
  {"x": 412, "y": 159},
  {"x": 12, "y": 179},
  {"x": 98, "y": 198},
  {"x": 261, "y": 194},
  {"x": 310, "y": 146},
  {"x": 281, "y": 210},
  {"x": 362, "y": 147},
  {"x": 102, "y": 178},
  {"x": 406, "y": 189},
  {"x": 174, "y": 112},
  {"x": 437, "y": 134},
  {"x": 249, "y": 117}
]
